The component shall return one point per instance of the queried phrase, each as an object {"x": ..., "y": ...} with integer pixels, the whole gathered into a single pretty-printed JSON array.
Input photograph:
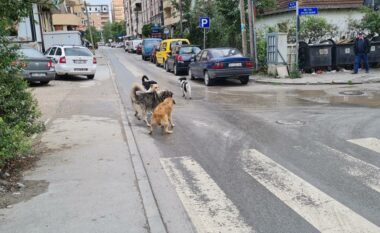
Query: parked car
[
  {"x": 73, "y": 60},
  {"x": 147, "y": 46},
  {"x": 153, "y": 54},
  {"x": 221, "y": 63},
  {"x": 126, "y": 45},
  {"x": 36, "y": 67},
  {"x": 166, "y": 49},
  {"x": 179, "y": 60},
  {"x": 139, "y": 49}
]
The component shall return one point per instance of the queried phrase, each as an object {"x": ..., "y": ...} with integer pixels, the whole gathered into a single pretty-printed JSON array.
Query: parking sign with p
[{"x": 204, "y": 22}]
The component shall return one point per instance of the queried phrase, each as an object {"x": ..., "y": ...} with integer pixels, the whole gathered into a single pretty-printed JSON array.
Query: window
[
  {"x": 47, "y": 51},
  {"x": 30, "y": 53},
  {"x": 59, "y": 52},
  {"x": 163, "y": 47},
  {"x": 89, "y": 8},
  {"x": 52, "y": 51},
  {"x": 78, "y": 52},
  {"x": 199, "y": 56},
  {"x": 226, "y": 52}
]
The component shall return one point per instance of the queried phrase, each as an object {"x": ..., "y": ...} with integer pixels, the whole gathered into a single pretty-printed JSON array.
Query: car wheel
[
  {"x": 207, "y": 79},
  {"x": 244, "y": 80},
  {"x": 44, "y": 82},
  {"x": 191, "y": 76},
  {"x": 91, "y": 76},
  {"x": 166, "y": 66}
]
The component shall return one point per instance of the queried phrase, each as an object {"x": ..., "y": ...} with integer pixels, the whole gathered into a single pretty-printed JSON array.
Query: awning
[{"x": 66, "y": 19}]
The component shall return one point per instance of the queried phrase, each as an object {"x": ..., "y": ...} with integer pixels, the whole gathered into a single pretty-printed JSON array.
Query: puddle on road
[{"x": 293, "y": 98}]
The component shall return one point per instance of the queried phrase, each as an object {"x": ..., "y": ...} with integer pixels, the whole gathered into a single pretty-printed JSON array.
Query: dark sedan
[
  {"x": 181, "y": 57},
  {"x": 36, "y": 67},
  {"x": 221, "y": 63}
]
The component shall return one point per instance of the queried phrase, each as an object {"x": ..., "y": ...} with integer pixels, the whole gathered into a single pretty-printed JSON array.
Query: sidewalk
[
  {"x": 342, "y": 77},
  {"x": 85, "y": 179}
]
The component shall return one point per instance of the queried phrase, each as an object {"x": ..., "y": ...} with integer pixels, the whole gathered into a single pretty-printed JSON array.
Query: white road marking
[
  {"x": 368, "y": 173},
  {"x": 207, "y": 205},
  {"x": 200, "y": 123},
  {"x": 369, "y": 143},
  {"x": 320, "y": 210}
]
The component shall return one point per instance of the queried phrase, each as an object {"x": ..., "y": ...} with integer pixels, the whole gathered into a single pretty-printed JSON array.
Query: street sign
[
  {"x": 204, "y": 22},
  {"x": 308, "y": 11},
  {"x": 166, "y": 31},
  {"x": 292, "y": 5}
]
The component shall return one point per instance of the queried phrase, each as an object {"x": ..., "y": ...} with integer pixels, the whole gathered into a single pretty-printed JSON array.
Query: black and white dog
[
  {"x": 186, "y": 88},
  {"x": 146, "y": 82}
]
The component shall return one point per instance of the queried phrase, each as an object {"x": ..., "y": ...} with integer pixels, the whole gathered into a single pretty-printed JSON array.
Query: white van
[{"x": 132, "y": 45}]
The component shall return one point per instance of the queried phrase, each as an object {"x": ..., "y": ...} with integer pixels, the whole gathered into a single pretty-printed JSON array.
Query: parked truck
[{"x": 61, "y": 38}]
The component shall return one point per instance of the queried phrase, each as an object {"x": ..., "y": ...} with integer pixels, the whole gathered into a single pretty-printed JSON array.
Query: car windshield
[
  {"x": 151, "y": 42},
  {"x": 78, "y": 52},
  {"x": 189, "y": 50},
  {"x": 30, "y": 53},
  {"x": 225, "y": 52}
]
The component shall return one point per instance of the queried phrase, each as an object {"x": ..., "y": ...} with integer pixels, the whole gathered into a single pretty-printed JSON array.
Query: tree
[
  {"x": 315, "y": 27},
  {"x": 107, "y": 32},
  {"x": 371, "y": 20},
  {"x": 95, "y": 35},
  {"x": 146, "y": 30},
  {"x": 18, "y": 109}
]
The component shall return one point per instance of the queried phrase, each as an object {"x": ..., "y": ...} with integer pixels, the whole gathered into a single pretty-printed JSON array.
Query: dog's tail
[
  {"x": 144, "y": 78},
  {"x": 135, "y": 88}
]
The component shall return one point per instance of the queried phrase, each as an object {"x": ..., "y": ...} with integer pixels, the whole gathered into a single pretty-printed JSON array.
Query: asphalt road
[{"x": 261, "y": 158}]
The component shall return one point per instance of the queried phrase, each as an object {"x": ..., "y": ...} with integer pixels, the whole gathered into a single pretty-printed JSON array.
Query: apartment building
[
  {"x": 70, "y": 15},
  {"x": 99, "y": 15},
  {"x": 337, "y": 12},
  {"x": 118, "y": 10},
  {"x": 134, "y": 18}
]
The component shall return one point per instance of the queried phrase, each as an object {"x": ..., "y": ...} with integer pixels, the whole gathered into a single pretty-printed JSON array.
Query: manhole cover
[
  {"x": 351, "y": 93},
  {"x": 286, "y": 122}
]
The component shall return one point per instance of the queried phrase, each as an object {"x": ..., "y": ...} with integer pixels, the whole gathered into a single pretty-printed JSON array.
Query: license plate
[
  {"x": 38, "y": 74},
  {"x": 234, "y": 65},
  {"x": 80, "y": 61},
  {"x": 80, "y": 69}
]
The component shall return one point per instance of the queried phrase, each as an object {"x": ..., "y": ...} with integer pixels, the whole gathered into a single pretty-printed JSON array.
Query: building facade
[
  {"x": 118, "y": 10},
  {"x": 99, "y": 15},
  {"x": 337, "y": 12}
]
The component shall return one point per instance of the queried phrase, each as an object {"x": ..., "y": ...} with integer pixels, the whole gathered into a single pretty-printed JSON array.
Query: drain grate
[
  {"x": 351, "y": 92},
  {"x": 285, "y": 122}
]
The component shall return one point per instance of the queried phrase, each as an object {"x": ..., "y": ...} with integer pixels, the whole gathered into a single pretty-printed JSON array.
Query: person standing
[{"x": 361, "y": 49}]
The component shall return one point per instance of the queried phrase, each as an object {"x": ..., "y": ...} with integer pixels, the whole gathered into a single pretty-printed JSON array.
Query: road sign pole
[
  {"x": 204, "y": 38},
  {"x": 297, "y": 35}
]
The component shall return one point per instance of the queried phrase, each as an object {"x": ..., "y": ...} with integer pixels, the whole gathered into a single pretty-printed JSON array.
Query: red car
[{"x": 139, "y": 49}]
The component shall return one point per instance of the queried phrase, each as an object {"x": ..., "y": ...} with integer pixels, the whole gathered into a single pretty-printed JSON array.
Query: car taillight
[
  {"x": 94, "y": 60},
  {"x": 50, "y": 64},
  {"x": 62, "y": 60},
  {"x": 218, "y": 65},
  {"x": 178, "y": 58},
  {"x": 249, "y": 64}
]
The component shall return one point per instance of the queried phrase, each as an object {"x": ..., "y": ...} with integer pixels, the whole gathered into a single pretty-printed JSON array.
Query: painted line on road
[
  {"x": 368, "y": 173},
  {"x": 369, "y": 143},
  {"x": 319, "y": 209},
  {"x": 207, "y": 205}
]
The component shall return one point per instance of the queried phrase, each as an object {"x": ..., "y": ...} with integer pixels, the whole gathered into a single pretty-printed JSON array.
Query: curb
[
  {"x": 152, "y": 213},
  {"x": 311, "y": 83}
]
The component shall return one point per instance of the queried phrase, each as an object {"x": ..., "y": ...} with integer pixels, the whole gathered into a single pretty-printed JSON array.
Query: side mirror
[{"x": 169, "y": 53}]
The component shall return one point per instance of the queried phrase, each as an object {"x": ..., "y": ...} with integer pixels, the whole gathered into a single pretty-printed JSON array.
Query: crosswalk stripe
[
  {"x": 320, "y": 210},
  {"x": 369, "y": 143},
  {"x": 368, "y": 173},
  {"x": 207, "y": 205}
]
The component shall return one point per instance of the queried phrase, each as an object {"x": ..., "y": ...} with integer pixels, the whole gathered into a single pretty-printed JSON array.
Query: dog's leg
[
  {"x": 167, "y": 128},
  {"x": 152, "y": 124},
  {"x": 145, "y": 117},
  {"x": 171, "y": 120}
]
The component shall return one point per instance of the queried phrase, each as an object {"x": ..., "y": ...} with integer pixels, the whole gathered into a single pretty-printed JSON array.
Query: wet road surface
[{"x": 262, "y": 158}]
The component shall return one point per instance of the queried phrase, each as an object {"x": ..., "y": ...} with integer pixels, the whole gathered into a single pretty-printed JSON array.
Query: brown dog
[{"x": 162, "y": 115}]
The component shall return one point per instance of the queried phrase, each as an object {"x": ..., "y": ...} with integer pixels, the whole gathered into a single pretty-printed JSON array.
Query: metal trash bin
[
  {"x": 315, "y": 56},
  {"x": 374, "y": 54},
  {"x": 343, "y": 55}
]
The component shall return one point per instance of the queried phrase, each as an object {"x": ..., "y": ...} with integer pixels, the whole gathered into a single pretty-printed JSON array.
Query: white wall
[{"x": 336, "y": 17}]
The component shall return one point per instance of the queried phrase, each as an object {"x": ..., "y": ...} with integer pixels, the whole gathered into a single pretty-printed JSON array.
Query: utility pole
[
  {"x": 250, "y": 23},
  {"x": 180, "y": 17},
  {"x": 243, "y": 31},
  {"x": 89, "y": 26}
]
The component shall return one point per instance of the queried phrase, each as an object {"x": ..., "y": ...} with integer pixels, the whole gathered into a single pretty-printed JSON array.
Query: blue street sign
[
  {"x": 204, "y": 22},
  {"x": 308, "y": 11},
  {"x": 292, "y": 5}
]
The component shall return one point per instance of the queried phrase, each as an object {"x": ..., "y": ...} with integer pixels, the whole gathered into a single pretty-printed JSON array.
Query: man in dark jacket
[{"x": 361, "y": 49}]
